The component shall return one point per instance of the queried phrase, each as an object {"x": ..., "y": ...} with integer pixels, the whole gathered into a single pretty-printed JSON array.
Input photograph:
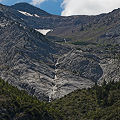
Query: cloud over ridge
[
  {"x": 37, "y": 2},
  {"x": 88, "y": 7}
]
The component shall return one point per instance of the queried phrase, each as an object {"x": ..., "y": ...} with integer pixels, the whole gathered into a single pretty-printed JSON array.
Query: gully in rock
[{"x": 54, "y": 88}]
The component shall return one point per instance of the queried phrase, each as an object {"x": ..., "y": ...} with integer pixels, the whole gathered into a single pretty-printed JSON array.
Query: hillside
[{"x": 92, "y": 104}]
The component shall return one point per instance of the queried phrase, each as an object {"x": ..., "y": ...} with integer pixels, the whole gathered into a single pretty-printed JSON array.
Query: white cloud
[
  {"x": 37, "y": 2},
  {"x": 1, "y": 0},
  {"x": 88, "y": 7}
]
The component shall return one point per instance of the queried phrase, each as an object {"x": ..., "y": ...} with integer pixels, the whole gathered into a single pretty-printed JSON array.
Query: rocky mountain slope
[
  {"x": 26, "y": 56},
  {"x": 76, "y": 54},
  {"x": 48, "y": 21}
]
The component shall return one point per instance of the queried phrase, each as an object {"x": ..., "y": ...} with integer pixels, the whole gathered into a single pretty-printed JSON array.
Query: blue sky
[
  {"x": 51, "y": 6},
  {"x": 71, "y": 7}
]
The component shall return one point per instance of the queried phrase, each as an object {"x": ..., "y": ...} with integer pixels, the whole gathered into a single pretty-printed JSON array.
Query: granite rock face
[
  {"x": 111, "y": 70},
  {"x": 79, "y": 69}
]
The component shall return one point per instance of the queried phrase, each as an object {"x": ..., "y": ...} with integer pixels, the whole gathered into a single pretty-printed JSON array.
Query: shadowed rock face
[
  {"x": 82, "y": 64},
  {"x": 47, "y": 69}
]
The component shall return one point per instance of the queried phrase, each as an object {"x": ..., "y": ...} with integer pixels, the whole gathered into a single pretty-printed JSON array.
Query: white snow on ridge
[
  {"x": 2, "y": 25},
  {"x": 28, "y": 14},
  {"x": 25, "y": 13},
  {"x": 44, "y": 31},
  {"x": 36, "y": 15}
]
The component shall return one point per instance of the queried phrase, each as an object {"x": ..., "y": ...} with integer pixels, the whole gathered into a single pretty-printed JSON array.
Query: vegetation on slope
[
  {"x": 18, "y": 105},
  {"x": 97, "y": 103}
]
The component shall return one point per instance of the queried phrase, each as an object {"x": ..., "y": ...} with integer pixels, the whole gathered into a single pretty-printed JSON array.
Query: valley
[
  {"x": 73, "y": 52},
  {"x": 58, "y": 67}
]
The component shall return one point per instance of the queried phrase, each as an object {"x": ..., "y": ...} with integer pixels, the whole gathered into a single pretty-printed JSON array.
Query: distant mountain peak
[{"x": 26, "y": 7}]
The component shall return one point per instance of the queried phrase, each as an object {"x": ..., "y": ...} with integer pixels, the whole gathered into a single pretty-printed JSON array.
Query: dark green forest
[{"x": 96, "y": 103}]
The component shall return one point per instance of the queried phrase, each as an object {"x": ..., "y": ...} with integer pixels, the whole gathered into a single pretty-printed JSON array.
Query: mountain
[
  {"x": 102, "y": 28},
  {"x": 39, "y": 19},
  {"x": 76, "y": 53}
]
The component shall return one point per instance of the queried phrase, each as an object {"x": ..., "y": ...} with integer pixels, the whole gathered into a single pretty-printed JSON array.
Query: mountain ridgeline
[{"x": 76, "y": 52}]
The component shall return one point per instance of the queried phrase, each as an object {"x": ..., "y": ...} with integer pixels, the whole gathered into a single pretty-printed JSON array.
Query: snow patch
[
  {"x": 36, "y": 15},
  {"x": 2, "y": 25},
  {"x": 25, "y": 13},
  {"x": 65, "y": 40},
  {"x": 44, "y": 31},
  {"x": 28, "y": 14}
]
